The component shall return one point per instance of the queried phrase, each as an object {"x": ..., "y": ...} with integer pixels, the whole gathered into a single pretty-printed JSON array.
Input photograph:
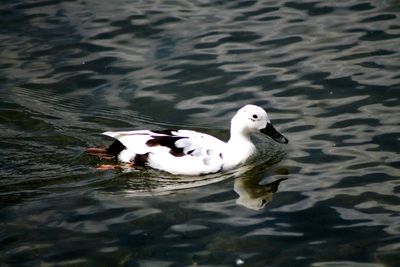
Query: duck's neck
[
  {"x": 238, "y": 150},
  {"x": 237, "y": 138}
]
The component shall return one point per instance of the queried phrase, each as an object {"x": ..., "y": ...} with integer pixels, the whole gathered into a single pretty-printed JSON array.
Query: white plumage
[{"x": 188, "y": 152}]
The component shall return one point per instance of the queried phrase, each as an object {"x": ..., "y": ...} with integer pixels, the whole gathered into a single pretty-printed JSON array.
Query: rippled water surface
[{"x": 327, "y": 72}]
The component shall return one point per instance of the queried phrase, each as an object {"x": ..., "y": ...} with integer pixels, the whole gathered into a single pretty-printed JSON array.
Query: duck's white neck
[
  {"x": 239, "y": 133},
  {"x": 238, "y": 137},
  {"x": 239, "y": 149}
]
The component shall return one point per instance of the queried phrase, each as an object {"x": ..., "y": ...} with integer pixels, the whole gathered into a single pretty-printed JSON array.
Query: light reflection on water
[{"x": 326, "y": 72}]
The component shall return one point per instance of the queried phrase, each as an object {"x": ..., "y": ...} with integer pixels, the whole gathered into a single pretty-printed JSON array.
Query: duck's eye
[{"x": 255, "y": 116}]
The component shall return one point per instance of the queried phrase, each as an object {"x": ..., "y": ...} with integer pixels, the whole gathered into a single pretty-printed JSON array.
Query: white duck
[{"x": 189, "y": 152}]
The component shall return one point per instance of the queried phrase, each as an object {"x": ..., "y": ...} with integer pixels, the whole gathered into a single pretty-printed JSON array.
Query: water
[{"x": 326, "y": 71}]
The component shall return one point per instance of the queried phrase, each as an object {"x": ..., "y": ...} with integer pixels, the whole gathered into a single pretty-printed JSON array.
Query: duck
[{"x": 188, "y": 152}]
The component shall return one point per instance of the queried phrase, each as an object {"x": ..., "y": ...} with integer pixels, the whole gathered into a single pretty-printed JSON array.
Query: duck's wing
[
  {"x": 179, "y": 143},
  {"x": 181, "y": 151}
]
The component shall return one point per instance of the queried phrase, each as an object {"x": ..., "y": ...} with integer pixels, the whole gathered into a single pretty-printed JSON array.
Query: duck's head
[{"x": 251, "y": 118}]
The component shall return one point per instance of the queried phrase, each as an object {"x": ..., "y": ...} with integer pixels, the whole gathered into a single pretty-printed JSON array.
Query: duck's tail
[{"x": 107, "y": 153}]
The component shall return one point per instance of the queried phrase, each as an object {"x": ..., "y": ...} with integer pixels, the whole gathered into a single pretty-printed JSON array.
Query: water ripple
[{"x": 327, "y": 73}]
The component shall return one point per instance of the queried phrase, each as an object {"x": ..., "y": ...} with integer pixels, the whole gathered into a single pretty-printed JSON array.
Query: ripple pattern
[{"x": 327, "y": 72}]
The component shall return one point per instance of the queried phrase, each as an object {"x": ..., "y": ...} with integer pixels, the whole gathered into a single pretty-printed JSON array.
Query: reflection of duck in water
[
  {"x": 188, "y": 152},
  {"x": 254, "y": 195}
]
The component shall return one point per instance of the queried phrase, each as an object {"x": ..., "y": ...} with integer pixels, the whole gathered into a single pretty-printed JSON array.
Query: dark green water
[{"x": 327, "y": 72}]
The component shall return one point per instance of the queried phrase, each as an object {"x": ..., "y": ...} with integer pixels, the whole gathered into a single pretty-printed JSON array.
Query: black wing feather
[{"x": 168, "y": 139}]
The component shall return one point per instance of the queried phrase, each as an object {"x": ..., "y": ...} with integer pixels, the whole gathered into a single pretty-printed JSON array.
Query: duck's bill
[{"x": 274, "y": 134}]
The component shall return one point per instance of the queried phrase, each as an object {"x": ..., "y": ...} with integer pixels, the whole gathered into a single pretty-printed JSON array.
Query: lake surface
[{"x": 327, "y": 72}]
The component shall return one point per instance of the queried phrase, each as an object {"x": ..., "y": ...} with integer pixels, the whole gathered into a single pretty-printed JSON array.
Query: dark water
[{"x": 327, "y": 72}]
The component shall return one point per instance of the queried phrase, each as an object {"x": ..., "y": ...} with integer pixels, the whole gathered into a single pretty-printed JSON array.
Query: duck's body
[{"x": 188, "y": 152}]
